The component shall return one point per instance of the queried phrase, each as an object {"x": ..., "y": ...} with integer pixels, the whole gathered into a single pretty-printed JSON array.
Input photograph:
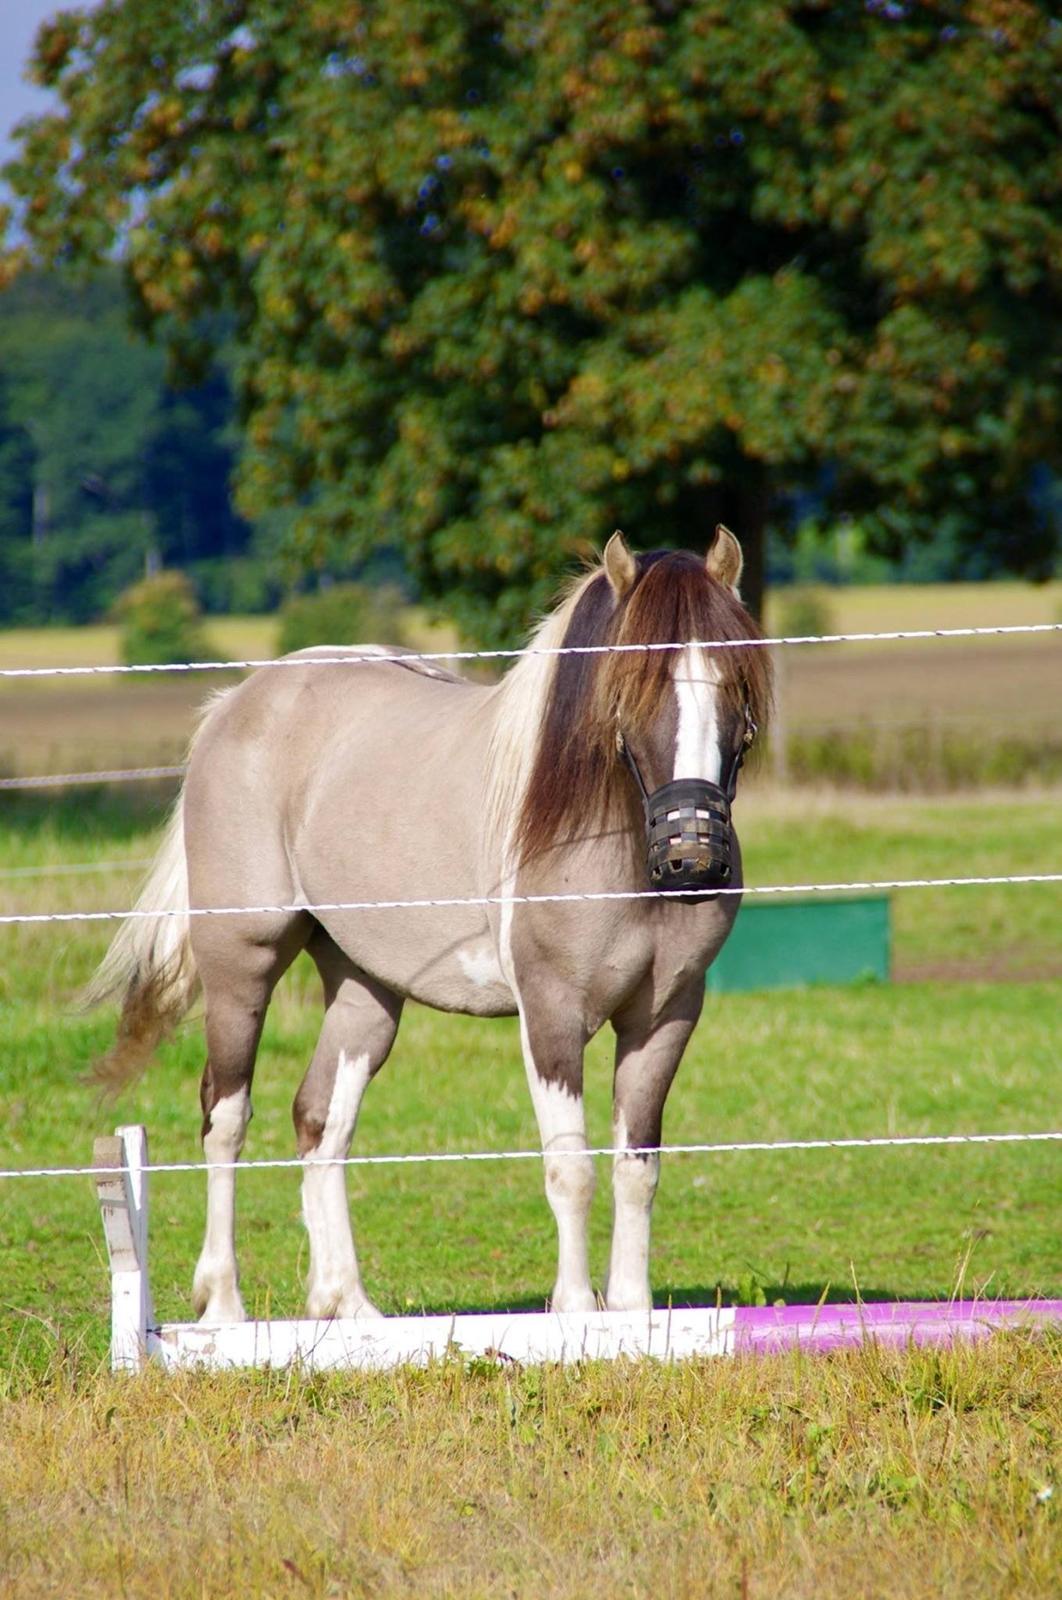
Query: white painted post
[{"x": 124, "y": 1205}]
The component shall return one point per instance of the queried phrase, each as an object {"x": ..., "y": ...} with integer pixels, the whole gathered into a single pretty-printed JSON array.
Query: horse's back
[{"x": 356, "y": 781}]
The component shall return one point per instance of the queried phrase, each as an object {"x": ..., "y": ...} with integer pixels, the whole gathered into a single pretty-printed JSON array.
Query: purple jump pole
[{"x": 896, "y": 1323}]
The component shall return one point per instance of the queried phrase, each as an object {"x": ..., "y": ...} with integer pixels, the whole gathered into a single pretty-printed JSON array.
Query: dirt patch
[{"x": 996, "y": 967}]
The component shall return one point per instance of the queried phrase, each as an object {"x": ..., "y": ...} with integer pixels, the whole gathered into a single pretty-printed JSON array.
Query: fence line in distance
[{"x": 375, "y": 657}]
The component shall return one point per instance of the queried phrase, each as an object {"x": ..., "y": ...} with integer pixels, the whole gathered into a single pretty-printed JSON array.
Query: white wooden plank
[{"x": 376, "y": 1344}]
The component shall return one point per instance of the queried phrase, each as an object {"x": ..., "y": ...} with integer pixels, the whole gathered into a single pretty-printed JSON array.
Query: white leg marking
[
  {"x": 569, "y": 1183},
  {"x": 335, "y": 1287},
  {"x": 562, "y": 1126},
  {"x": 215, "y": 1288},
  {"x": 697, "y": 753},
  {"x": 634, "y": 1181}
]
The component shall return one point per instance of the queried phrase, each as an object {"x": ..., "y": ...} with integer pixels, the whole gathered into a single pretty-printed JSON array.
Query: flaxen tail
[{"x": 149, "y": 966}]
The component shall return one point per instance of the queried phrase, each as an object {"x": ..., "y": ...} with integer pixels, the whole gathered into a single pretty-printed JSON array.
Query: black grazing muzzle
[{"x": 689, "y": 835}]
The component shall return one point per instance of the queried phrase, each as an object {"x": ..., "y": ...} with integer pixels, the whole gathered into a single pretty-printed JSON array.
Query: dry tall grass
[{"x": 910, "y": 1474}]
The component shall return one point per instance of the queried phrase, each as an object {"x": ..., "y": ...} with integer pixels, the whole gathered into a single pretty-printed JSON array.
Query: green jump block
[{"x": 777, "y": 944}]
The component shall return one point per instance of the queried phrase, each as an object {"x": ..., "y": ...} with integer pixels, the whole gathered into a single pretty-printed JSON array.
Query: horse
[{"x": 597, "y": 772}]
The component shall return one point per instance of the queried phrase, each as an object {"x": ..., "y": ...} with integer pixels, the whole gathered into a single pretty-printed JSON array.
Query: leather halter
[{"x": 688, "y": 826}]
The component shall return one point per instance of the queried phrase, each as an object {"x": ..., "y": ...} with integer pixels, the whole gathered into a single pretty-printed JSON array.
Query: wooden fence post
[{"x": 123, "y": 1201}]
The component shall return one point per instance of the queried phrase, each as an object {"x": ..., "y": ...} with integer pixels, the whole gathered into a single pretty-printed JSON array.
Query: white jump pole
[{"x": 377, "y": 1343}]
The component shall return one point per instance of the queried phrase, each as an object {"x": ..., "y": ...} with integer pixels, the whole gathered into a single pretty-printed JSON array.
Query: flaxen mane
[{"x": 573, "y": 771}]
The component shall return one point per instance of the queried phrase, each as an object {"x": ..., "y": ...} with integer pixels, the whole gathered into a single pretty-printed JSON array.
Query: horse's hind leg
[
  {"x": 361, "y": 1018},
  {"x": 238, "y": 978},
  {"x": 647, "y": 1058}
]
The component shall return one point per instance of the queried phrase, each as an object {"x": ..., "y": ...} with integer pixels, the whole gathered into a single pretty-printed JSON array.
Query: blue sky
[{"x": 19, "y": 20}]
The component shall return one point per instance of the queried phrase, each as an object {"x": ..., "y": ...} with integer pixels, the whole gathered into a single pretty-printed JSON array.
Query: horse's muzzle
[{"x": 689, "y": 839}]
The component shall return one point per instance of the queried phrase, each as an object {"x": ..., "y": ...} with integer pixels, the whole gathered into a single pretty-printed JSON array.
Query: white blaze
[{"x": 697, "y": 753}]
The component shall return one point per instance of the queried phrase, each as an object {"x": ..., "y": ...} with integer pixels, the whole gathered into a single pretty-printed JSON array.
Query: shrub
[
  {"x": 240, "y": 585},
  {"x": 346, "y": 613},
  {"x": 803, "y": 611},
  {"x": 160, "y": 622}
]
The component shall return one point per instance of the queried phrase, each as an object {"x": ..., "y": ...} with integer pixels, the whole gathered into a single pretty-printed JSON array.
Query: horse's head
[
  {"x": 670, "y": 725},
  {"x": 682, "y": 719}
]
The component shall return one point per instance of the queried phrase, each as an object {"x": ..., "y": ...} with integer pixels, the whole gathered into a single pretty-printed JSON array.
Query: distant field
[
  {"x": 91, "y": 724},
  {"x": 856, "y": 610},
  {"x": 878, "y": 607},
  {"x": 934, "y": 715}
]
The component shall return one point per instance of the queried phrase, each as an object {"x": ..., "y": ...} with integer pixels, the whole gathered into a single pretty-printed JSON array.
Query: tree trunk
[{"x": 746, "y": 506}]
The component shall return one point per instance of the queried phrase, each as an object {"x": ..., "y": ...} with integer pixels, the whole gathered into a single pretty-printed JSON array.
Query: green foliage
[
  {"x": 506, "y": 276},
  {"x": 804, "y": 611},
  {"x": 244, "y": 585},
  {"x": 113, "y": 466},
  {"x": 344, "y": 613},
  {"x": 16, "y": 510},
  {"x": 159, "y": 619},
  {"x": 922, "y": 758}
]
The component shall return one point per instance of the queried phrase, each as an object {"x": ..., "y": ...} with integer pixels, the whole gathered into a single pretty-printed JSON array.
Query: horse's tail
[{"x": 149, "y": 965}]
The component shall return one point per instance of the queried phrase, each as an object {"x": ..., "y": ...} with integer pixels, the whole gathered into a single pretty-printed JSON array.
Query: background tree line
[
  {"x": 501, "y": 276},
  {"x": 107, "y": 472}
]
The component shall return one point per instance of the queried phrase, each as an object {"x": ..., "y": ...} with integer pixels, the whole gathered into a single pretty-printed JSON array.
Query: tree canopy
[{"x": 506, "y": 275}]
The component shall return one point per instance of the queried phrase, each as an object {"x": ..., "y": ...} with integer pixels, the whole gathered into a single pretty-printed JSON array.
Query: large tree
[{"x": 508, "y": 274}]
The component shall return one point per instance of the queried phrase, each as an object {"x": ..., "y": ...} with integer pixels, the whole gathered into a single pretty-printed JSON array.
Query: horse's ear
[
  {"x": 724, "y": 560},
  {"x": 621, "y": 569}
]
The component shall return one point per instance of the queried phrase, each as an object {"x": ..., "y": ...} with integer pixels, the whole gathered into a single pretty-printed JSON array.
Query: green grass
[
  {"x": 909, "y": 1472},
  {"x": 914, "y": 1057}
]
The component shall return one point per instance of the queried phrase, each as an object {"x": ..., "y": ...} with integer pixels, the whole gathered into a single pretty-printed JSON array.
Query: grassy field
[
  {"x": 868, "y": 1473},
  {"x": 917, "y": 1056}
]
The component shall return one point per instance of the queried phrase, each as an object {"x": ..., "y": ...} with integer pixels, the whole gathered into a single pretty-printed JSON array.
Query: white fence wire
[
  {"x": 376, "y": 657},
  {"x": 148, "y": 914},
  {"x": 59, "y": 869},
  {"x": 65, "y": 780},
  {"x": 454, "y": 1157},
  {"x": 352, "y": 658}
]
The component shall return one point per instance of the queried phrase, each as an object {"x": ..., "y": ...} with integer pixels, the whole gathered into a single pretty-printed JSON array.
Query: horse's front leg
[
  {"x": 553, "y": 1056},
  {"x": 647, "y": 1057}
]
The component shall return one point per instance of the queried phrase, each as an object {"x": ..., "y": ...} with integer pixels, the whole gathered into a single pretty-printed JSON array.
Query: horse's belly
[
  {"x": 467, "y": 978},
  {"x": 457, "y": 970},
  {"x": 472, "y": 983}
]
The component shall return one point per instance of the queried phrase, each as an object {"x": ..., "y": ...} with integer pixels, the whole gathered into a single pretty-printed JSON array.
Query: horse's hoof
[
  {"x": 573, "y": 1300},
  {"x": 324, "y": 1308},
  {"x": 221, "y": 1310},
  {"x": 628, "y": 1300},
  {"x": 363, "y": 1309}
]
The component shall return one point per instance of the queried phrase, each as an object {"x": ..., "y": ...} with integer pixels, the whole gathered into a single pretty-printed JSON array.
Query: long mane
[{"x": 555, "y": 766}]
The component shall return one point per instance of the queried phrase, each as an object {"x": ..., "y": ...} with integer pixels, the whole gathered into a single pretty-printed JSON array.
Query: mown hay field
[{"x": 939, "y": 715}]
